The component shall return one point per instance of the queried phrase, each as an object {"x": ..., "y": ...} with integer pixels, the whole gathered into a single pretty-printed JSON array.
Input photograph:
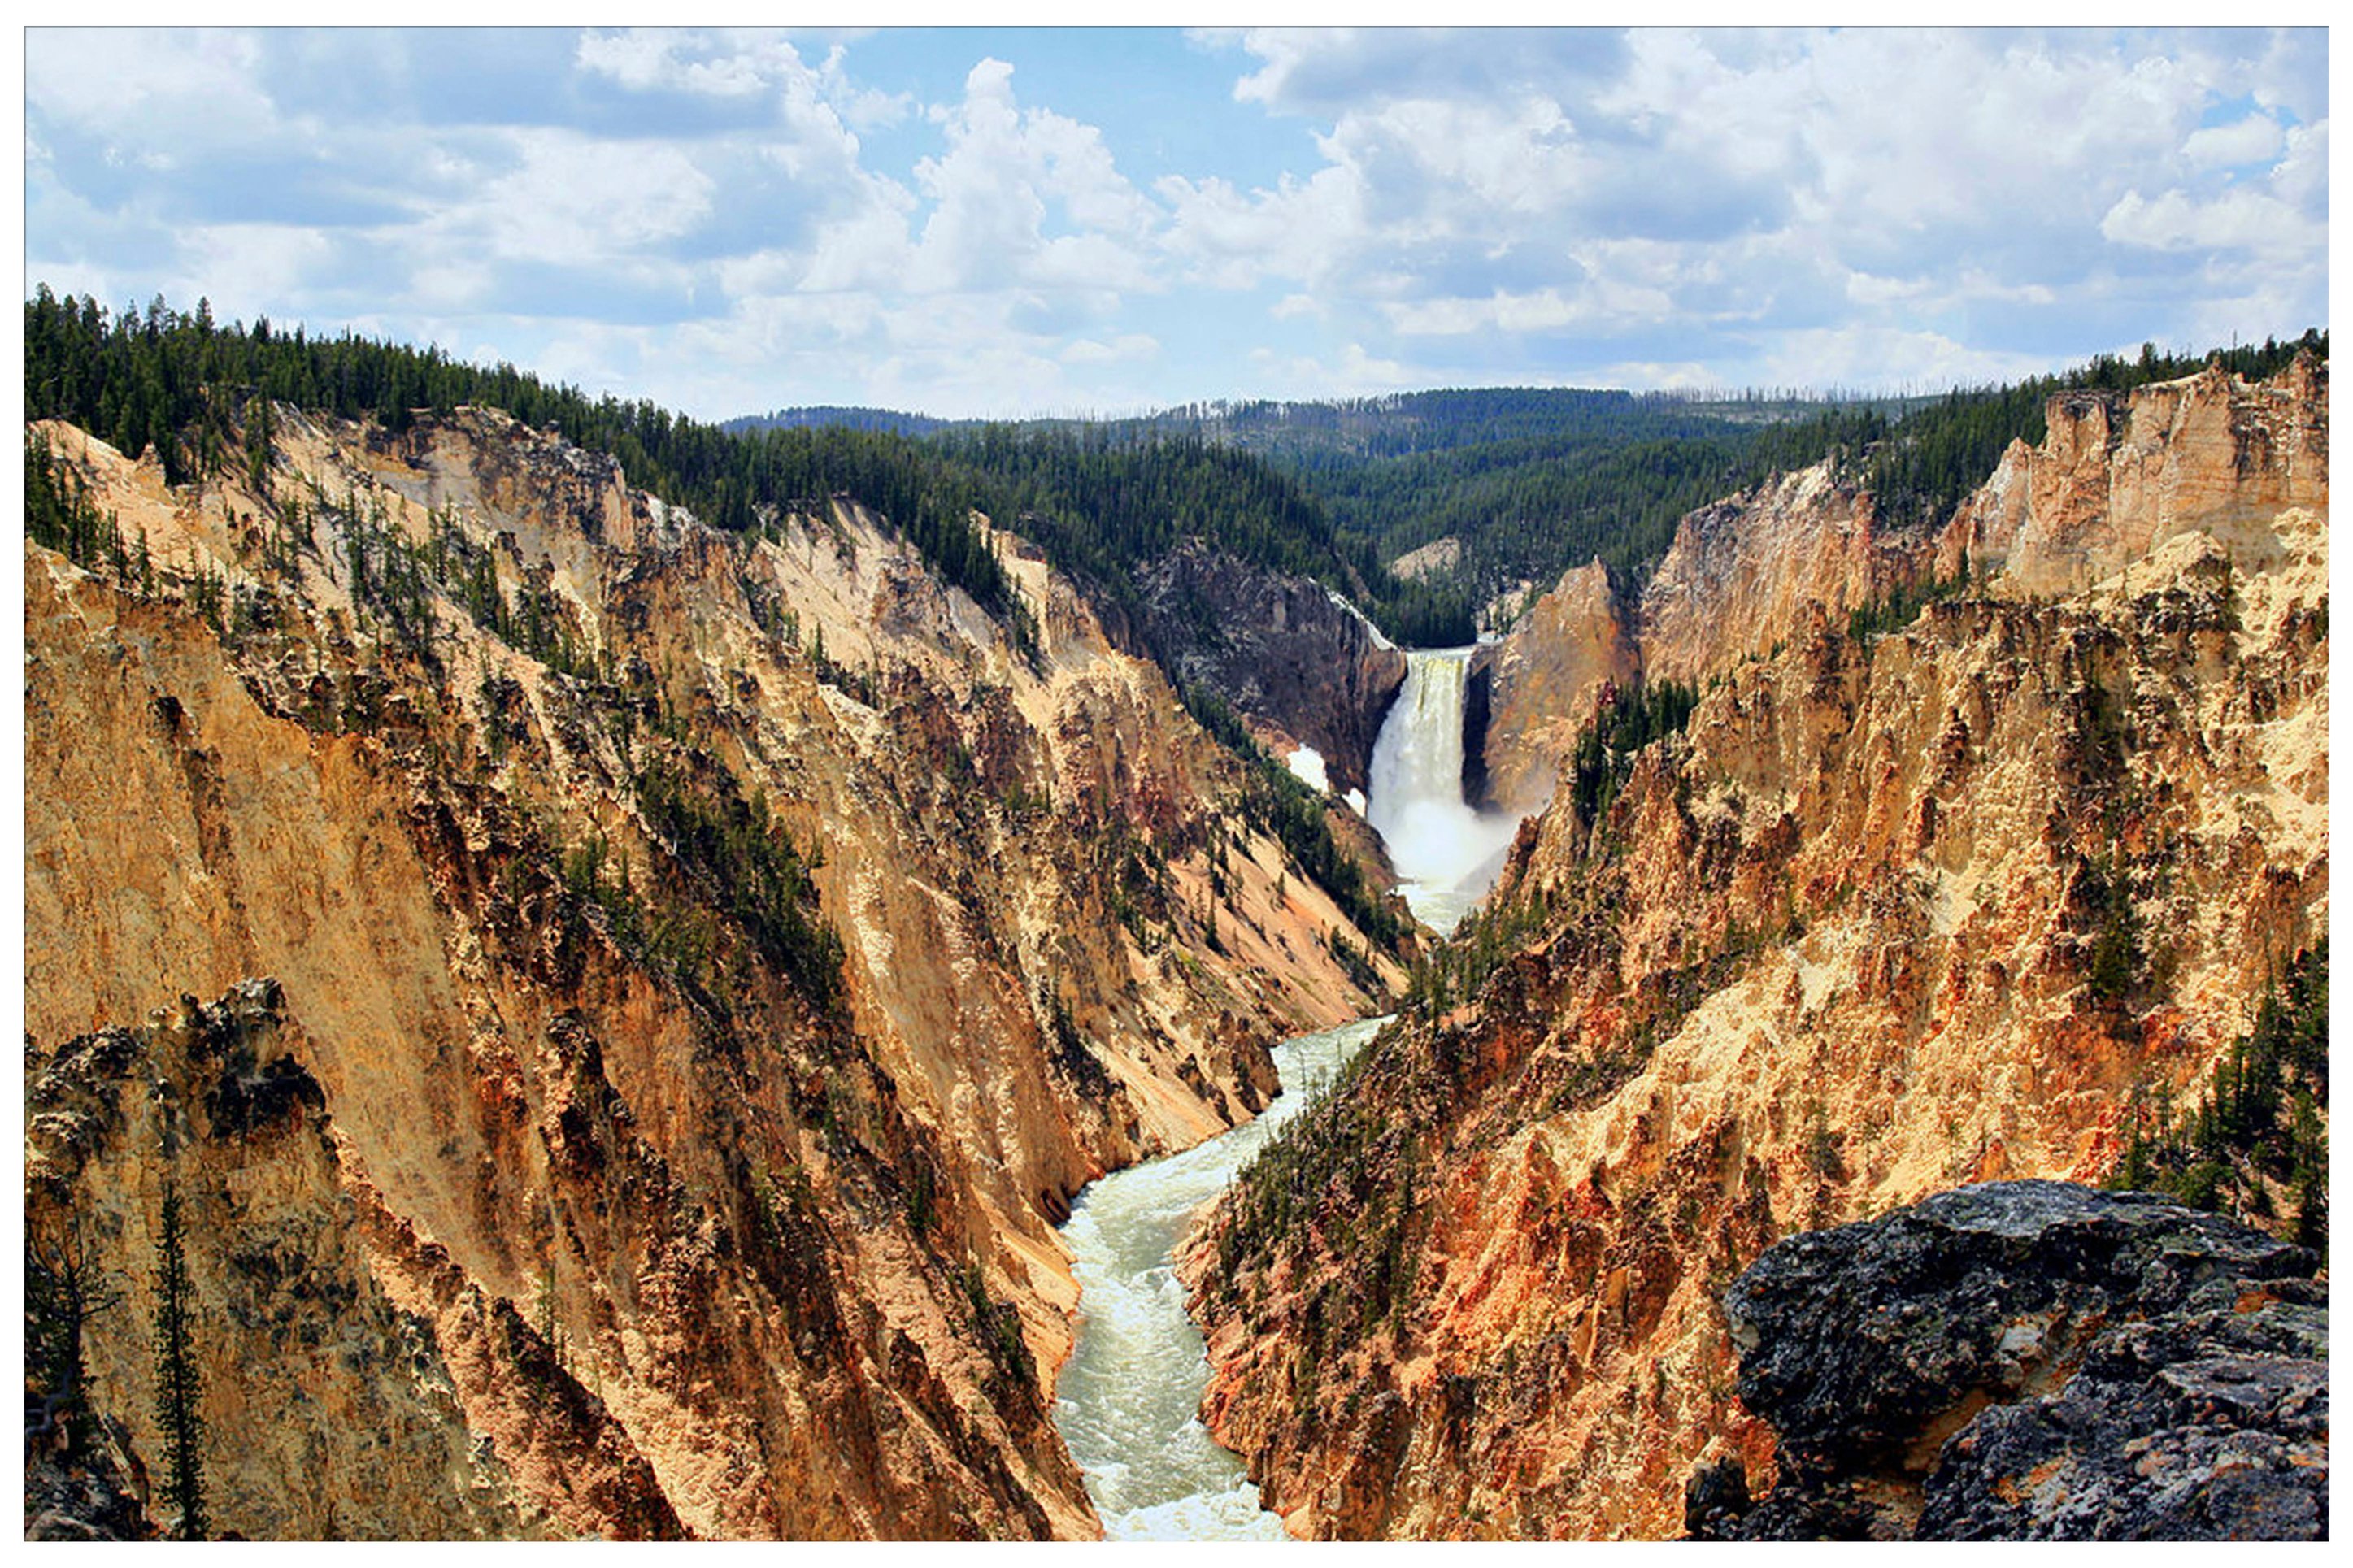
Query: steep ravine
[
  {"x": 525, "y": 802},
  {"x": 1890, "y": 913},
  {"x": 1128, "y": 1398}
]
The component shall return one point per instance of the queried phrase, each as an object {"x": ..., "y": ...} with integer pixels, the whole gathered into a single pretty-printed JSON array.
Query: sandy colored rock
[
  {"x": 487, "y": 763},
  {"x": 1829, "y": 950},
  {"x": 1542, "y": 684}
]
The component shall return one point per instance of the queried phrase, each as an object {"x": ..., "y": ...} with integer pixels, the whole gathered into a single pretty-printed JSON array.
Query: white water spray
[{"x": 1446, "y": 854}]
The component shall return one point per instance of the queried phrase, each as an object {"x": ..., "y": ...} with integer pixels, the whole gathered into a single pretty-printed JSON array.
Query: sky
[{"x": 1022, "y": 221}]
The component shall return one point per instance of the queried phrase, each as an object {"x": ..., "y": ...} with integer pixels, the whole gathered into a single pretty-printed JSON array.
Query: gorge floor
[{"x": 1129, "y": 1399}]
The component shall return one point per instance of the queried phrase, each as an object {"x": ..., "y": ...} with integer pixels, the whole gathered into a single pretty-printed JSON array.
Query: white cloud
[
  {"x": 1864, "y": 288},
  {"x": 1302, "y": 230},
  {"x": 574, "y": 199},
  {"x": 737, "y": 65},
  {"x": 1547, "y": 310},
  {"x": 246, "y": 268},
  {"x": 1902, "y": 176},
  {"x": 2235, "y": 220},
  {"x": 1007, "y": 175},
  {"x": 198, "y": 86},
  {"x": 1868, "y": 356},
  {"x": 1128, "y": 346},
  {"x": 2300, "y": 177},
  {"x": 2257, "y": 139},
  {"x": 1356, "y": 373},
  {"x": 1671, "y": 206}
]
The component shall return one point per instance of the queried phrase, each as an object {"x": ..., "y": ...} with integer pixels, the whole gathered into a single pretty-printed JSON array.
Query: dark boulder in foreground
[{"x": 2032, "y": 1360}]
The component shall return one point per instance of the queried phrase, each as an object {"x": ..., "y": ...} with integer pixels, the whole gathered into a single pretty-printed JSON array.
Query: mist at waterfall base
[
  {"x": 1447, "y": 855},
  {"x": 1128, "y": 1400}
]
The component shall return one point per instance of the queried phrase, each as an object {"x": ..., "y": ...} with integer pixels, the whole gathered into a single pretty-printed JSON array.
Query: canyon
[
  {"x": 509, "y": 815},
  {"x": 1901, "y": 907},
  {"x": 626, "y": 1009}
]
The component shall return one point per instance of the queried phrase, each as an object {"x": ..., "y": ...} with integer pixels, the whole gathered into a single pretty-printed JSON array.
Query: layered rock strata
[
  {"x": 2116, "y": 476},
  {"x": 1536, "y": 690}
]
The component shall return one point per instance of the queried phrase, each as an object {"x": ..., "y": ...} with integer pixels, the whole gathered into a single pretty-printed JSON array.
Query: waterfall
[{"x": 1446, "y": 854}]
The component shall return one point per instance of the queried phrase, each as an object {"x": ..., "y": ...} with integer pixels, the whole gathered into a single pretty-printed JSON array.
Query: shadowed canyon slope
[
  {"x": 1911, "y": 901},
  {"x": 694, "y": 971}
]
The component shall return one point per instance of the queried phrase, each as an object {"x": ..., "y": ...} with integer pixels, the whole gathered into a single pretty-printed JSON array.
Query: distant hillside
[
  {"x": 1531, "y": 481},
  {"x": 886, "y": 421}
]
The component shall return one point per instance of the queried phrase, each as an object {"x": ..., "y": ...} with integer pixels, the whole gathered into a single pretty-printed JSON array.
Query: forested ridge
[
  {"x": 1531, "y": 481},
  {"x": 182, "y": 384}
]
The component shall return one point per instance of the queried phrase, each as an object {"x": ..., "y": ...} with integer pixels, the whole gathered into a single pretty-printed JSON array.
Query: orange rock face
[
  {"x": 1750, "y": 573},
  {"x": 1833, "y": 947},
  {"x": 2115, "y": 477},
  {"x": 1545, "y": 680},
  {"x": 490, "y": 763}
]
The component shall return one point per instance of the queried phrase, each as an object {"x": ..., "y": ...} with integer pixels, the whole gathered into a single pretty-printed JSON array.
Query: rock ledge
[{"x": 2031, "y": 1360}]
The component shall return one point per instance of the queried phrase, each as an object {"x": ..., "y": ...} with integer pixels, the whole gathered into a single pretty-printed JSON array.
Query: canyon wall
[
  {"x": 714, "y": 960},
  {"x": 1893, "y": 913},
  {"x": 1742, "y": 578},
  {"x": 1282, "y": 649},
  {"x": 1536, "y": 690}
]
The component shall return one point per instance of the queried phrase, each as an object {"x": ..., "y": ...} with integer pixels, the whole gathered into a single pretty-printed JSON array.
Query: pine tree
[{"x": 178, "y": 1389}]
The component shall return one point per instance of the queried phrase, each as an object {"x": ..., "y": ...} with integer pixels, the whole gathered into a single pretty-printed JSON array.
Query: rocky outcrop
[
  {"x": 1535, "y": 691},
  {"x": 1751, "y": 572},
  {"x": 1434, "y": 558},
  {"x": 2032, "y": 1360},
  {"x": 717, "y": 960},
  {"x": 1743, "y": 578},
  {"x": 1280, "y": 648},
  {"x": 2119, "y": 474},
  {"x": 2115, "y": 477},
  {"x": 1892, "y": 912}
]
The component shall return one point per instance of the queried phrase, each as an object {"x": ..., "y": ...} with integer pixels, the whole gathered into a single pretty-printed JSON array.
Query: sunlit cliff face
[{"x": 1836, "y": 944}]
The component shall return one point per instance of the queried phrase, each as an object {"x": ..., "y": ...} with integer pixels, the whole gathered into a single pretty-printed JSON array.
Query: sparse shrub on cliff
[
  {"x": 60, "y": 516},
  {"x": 1900, "y": 605},
  {"x": 1628, "y": 721},
  {"x": 1133, "y": 875},
  {"x": 753, "y": 872},
  {"x": 1354, "y": 963},
  {"x": 1073, "y": 1053},
  {"x": 920, "y": 1200},
  {"x": 999, "y": 1325},
  {"x": 1458, "y": 968},
  {"x": 549, "y": 1327},
  {"x": 63, "y": 1291},
  {"x": 1276, "y": 802},
  {"x": 1825, "y": 1155},
  {"x": 2114, "y": 961}
]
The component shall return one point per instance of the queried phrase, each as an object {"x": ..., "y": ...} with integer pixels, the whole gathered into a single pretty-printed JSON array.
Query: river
[{"x": 1128, "y": 1401}]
